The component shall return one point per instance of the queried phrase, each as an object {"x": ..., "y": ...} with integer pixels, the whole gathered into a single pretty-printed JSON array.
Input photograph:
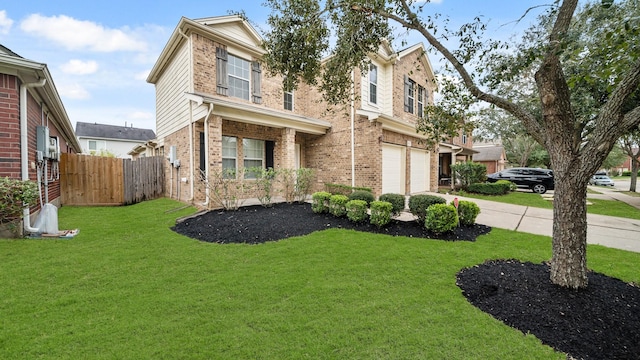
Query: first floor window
[
  {"x": 229, "y": 156},
  {"x": 253, "y": 155}
]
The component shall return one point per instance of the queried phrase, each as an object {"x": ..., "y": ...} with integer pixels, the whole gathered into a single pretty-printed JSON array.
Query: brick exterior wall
[
  {"x": 329, "y": 154},
  {"x": 10, "y": 164}
]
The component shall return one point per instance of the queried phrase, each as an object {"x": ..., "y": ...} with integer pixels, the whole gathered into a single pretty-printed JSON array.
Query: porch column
[{"x": 288, "y": 148}]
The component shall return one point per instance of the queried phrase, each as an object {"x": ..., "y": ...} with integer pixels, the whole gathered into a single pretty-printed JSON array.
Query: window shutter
[
  {"x": 222, "y": 77},
  {"x": 255, "y": 82},
  {"x": 407, "y": 108}
]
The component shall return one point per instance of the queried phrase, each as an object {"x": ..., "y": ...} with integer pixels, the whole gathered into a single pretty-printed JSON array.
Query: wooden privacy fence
[{"x": 95, "y": 180}]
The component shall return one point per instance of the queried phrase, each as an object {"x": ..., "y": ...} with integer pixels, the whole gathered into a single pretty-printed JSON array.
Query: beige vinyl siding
[
  {"x": 385, "y": 86},
  {"x": 237, "y": 32},
  {"x": 172, "y": 109}
]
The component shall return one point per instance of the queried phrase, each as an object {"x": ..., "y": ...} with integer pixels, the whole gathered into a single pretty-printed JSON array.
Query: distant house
[
  {"x": 491, "y": 155},
  {"x": 34, "y": 127},
  {"x": 626, "y": 165},
  {"x": 111, "y": 139}
]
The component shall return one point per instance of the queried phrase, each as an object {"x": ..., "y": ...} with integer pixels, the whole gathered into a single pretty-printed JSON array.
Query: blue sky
[{"x": 100, "y": 52}]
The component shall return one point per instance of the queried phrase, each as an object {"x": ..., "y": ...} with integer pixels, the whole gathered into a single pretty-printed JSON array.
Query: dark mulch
[
  {"x": 257, "y": 224},
  {"x": 600, "y": 322}
]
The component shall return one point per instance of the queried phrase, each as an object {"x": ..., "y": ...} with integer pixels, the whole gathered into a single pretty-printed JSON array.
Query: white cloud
[
  {"x": 81, "y": 35},
  {"x": 142, "y": 75},
  {"x": 5, "y": 22},
  {"x": 79, "y": 67},
  {"x": 74, "y": 91},
  {"x": 141, "y": 115}
]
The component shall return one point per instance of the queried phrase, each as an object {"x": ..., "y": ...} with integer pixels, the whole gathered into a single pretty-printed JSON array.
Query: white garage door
[
  {"x": 419, "y": 170},
  {"x": 393, "y": 169}
]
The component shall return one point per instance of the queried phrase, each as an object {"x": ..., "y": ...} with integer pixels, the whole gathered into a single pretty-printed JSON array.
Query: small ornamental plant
[
  {"x": 357, "y": 211},
  {"x": 467, "y": 212},
  {"x": 380, "y": 213},
  {"x": 362, "y": 195},
  {"x": 337, "y": 205},
  {"x": 396, "y": 200},
  {"x": 14, "y": 196},
  {"x": 441, "y": 218},
  {"x": 320, "y": 202}
]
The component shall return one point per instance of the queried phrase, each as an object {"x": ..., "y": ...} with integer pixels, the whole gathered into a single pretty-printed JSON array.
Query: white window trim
[
  {"x": 374, "y": 84},
  {"x": 262, "y": 159},
  {"x": 234, "y": 158},
  {"x": 292, "y": 100}
]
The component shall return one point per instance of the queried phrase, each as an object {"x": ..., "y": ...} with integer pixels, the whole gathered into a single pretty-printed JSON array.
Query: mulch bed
[{"x": 599, "y": 322}]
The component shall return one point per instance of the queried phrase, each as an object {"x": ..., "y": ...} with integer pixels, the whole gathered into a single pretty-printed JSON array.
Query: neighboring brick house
[
  {"x": 216, "y": 108},
  {"x": 112, "y": 139},
  {"x": 32, "y": 118},
  {"x": 493, "y": 156},
  {"x": 458, "y": 149}
]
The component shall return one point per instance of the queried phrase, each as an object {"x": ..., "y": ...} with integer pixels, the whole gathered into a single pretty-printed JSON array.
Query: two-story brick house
[
  {"x": 216, "y": 108},
  {"x": 34, "y": 126}
]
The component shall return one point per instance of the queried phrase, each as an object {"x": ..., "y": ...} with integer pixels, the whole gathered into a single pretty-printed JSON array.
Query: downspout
[
  {"x": 353, "y": 135},
  {"x": 191, "y": 129},
  {"x": 24, "y": 147},
  {"x": 206, "y": 156}
]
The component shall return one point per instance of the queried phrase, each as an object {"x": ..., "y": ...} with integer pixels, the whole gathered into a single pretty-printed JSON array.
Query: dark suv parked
[{"x": 538, "y": 180}]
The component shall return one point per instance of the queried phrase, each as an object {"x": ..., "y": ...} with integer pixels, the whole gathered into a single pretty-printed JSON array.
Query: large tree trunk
[{"x": 569, "y": 260}]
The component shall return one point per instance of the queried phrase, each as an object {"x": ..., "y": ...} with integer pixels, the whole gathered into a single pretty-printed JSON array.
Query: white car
[{"x": 602, "y": 180}]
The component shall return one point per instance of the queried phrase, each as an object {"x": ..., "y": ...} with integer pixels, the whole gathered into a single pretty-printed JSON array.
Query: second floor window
[
  {"x": 409, "y": 94},
  {"x": 373, "y": 84},
  {"x": 239, "y": 75},
  {"x": 288, "y": 100},
  {"x": 421, "y": 100}
]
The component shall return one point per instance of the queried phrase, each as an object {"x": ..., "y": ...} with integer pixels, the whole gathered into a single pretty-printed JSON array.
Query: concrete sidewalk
[{"x": 614, "y": 232}]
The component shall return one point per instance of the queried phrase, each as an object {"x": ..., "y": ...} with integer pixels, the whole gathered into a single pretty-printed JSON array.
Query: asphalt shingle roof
[
  {"x": 488, "y": 153},
  {"x": 113, "y": 132}
]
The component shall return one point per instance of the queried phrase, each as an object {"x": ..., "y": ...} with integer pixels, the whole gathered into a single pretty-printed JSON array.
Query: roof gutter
[{"x": 24, "y": 145}]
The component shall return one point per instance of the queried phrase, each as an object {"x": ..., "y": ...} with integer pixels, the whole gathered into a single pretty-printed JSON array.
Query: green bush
[
  {"x": 418, "y": 205},
  {"x": 380, "y": 213},
  {"x": 490, "y": 188},
  {"x": 628, "y": 173},
  {"x": 396, "y": 200},
  {"x": 467, "y": 212},
  {"x": 264, "y": 181},
  {"x": 357, "y": 210},
  {"x": 337, "y": 205},
  {"x": 320, "y": 202},
  {"x": 344, "y": 189},
  {"x": 469, "y": 172},
  {"x": 512, "y": 186},
  {"x": 362, "y": 195},
  {"x": 14, "y": 196},
  {"x": 441, "y": 218}
]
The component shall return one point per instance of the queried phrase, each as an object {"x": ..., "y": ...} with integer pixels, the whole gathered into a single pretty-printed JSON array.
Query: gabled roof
[
  {"x": 103, "y": 131},
  {"x": 29, "y": 71},
  {"x": 422, "y": 52},
  {"x": 488, "y": 153},
  {"x": 218, "y": 28}
]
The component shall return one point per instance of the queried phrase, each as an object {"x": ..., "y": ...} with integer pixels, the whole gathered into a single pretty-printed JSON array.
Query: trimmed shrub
[
  {"x": 344, "y": 189},
  {"x": 418, "y": 205},
  {"x": 14, "y": 196},
  {"x": 362, "y": 195},
  {"x": 467, "y": 212},
  {"x": 469, "y": 173},
  {"x": 357, "y": 210},
  {"x": 337, "y": 205},
  {"x": 441, "y": 218},
  {"x": 512, "y": 186},
  {"x": 380, "y": 213},
  {"x": 396, "y": 200},
  {"x": 320, "y": 202},
  {"x": 490, "y": 188}
]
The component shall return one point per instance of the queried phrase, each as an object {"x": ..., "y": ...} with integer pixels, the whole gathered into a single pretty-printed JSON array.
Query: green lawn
[
  {"x": 127, "y": 287},
  {"x": 597, "y": 206}
]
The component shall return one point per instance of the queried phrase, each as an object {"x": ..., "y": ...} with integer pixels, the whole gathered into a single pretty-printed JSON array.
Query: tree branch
[{"x": 412, "y": 22}]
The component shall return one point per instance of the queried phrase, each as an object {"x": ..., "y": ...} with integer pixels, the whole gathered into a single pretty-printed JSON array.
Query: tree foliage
[{"x": 570, "y": 58}]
